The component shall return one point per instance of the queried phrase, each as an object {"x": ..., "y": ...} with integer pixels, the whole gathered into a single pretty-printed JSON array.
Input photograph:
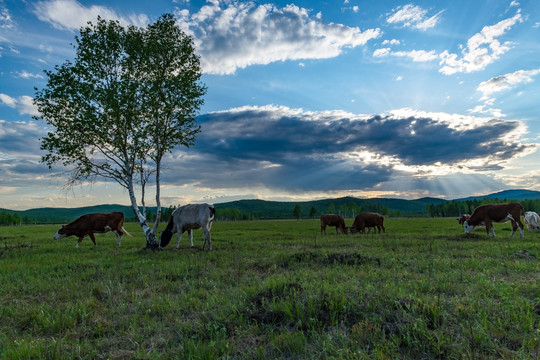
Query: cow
[
  {"x": 532, "y": 220},
  {"x": 187, "y": 218},
  {"x": 490, "y": 213},
  {"x": 368, "y": 220},
  {"x": 333, "y": 220},
  {"x": 91, "y": 224}
]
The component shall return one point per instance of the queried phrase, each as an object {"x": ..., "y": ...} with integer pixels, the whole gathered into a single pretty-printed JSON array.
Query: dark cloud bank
[{"x": 293, "y": 150}]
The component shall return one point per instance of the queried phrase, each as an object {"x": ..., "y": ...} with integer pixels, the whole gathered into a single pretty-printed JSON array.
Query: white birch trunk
[{"x": 151, "y": 242}]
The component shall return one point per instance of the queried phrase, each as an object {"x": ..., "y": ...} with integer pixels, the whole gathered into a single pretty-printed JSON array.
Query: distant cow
[
  {"x": 187, "y": 218},
  {"x": 532, "y": 220},
  {"x": 490, "y": 213},
  {"x": 333, "y": 220},
  {"x": 368, "y": 220},
  {"x": 91, "y": 224}
]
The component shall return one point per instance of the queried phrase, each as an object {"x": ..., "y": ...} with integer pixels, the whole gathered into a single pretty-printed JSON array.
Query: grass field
[{"x": 273, "y": 289}]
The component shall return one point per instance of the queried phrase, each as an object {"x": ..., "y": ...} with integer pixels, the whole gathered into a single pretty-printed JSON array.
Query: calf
[
  {"x": 333, "y": 220},
  {"x": 187, "y": 218},
  {"x": 532, "y": 220},
  {"x": 490, "y": 213},
  {"x": 90, "y": 224},
  {"x": 368, "y": 220}
]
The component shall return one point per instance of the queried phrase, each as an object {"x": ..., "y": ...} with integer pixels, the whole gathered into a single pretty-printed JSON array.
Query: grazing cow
[
  {"x": 187, "y": 218},
  {"x": 368, "y": 220},
  {"x": 333, "y": 220},
  {"x": 532, "y": 220},
  {"x": 90, "y": 224},
  {"x": 490, "y": 213}
]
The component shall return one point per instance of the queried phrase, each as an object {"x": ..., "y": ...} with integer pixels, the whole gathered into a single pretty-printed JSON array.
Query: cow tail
[
  {"x": 125, "y": 232},
  {"x": 212, "y": 212}
]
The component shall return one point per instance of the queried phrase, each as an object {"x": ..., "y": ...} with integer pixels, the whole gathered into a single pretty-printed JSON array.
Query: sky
[{"x": 306, "y": 99}]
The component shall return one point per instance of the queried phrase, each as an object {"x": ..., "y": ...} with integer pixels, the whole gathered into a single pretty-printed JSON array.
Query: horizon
[
  {"x": 390, "y": 99},
  {"x": 303, "y": 201}
]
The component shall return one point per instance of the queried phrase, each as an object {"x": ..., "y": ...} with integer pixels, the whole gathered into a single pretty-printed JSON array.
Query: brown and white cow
[
  {"x": 333, "y": 220},
  {"x": 490, "y": 213},
  {"x": 188, "y": 218},
  {"x": 368, "y": 220},
  {"x": 532, "y": 220},
  {"x": 91, "y": 224}
]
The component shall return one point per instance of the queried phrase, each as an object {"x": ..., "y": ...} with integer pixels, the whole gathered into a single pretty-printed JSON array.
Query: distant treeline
[
  {"x": 347, "y": 210},
  {"x": 457, "y": 207},
  {"x": 8, "y": 218}
]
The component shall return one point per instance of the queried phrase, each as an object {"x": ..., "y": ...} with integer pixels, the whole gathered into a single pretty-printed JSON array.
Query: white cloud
[
  {"x": 26, "y": 75},
  {"x": 415, "y": 55},
  {"x": 482, "y": 49},
  {"x": 413, "y": 16},
  {"x": 391, "y": 42},
  {"x": 72, "y": 15},
  {"x": 23, "y": 104},
  {"x": 381, "y": 52},
  {"x": 505, "y": 82},
  {"x": 6, "y": 22},
  {"x": 242, "y": 34}
]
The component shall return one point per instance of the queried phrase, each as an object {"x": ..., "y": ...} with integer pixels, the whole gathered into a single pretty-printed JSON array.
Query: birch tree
[{"x": 129, "y": 97}]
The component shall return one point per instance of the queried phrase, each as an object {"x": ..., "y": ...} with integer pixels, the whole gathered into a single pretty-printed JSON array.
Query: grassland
[{"x": 273, "y": 289}]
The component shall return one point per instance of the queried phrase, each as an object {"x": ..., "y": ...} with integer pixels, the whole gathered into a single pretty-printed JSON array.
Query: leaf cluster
[{"x": 129, "y": 96}]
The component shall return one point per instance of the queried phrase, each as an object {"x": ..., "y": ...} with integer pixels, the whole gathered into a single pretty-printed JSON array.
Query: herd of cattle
[{"x": 196, "y": 216}]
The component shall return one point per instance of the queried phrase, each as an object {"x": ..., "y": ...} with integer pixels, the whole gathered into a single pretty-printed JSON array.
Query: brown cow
[
  {"x": 487, "y": 214},
  {"x": 333, "y": 220},
  {"x": 94, "y": 223},
  {"x": 368, "y": 220}
]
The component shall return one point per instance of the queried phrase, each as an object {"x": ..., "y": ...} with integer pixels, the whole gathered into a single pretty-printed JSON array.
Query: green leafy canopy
[{"x": 129, "y": 96}]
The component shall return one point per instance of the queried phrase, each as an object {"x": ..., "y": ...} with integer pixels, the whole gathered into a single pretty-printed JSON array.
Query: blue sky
[{"x": 306, "y": 99}]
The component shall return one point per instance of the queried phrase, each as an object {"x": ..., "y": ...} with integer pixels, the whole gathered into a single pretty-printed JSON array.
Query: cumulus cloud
[
  {"x": 239, "y": 34},
  {"x": 414, "y": 17},
  {"x": 505, "y": 82},
  {"x": 482, "y": 49},
  {"x": 23, "y": 104},
  {"x": 72, "y": 15},
  {"x": 291, "y": 149}
]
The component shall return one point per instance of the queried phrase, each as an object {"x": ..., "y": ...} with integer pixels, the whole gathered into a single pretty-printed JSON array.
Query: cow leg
[
  {"x": 118, "y": 237},
  {"x": 489, "y": 226},
  {"x": 207, "y": 238},
  {"x": 178, "y": 240},
  {"x": 521, "y": 228},
  {"x": 79, "y": 241},
  {"x": 323, "y": 228},
  {"x": 93, "y": 238},
  {"x": 190, "y": 236}
]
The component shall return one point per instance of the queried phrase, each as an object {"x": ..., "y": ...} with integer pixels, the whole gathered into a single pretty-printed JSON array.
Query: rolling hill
[{"x": 263, "y": 209}]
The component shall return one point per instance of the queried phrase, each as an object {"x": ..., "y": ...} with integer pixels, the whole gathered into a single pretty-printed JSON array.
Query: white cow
[
  {"x": 532, "y": 220},
  {"x": 187, "y": 218}
]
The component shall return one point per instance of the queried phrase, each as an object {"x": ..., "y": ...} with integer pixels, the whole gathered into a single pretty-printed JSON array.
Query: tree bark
[{"x": 151, "y": 242}]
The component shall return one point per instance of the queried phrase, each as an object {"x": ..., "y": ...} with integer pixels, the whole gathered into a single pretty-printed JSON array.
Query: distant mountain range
[{"x": 263, "y": 209}]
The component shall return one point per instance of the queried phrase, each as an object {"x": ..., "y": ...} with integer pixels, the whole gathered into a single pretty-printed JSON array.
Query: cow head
[
  {"x": 468, "y": 228},
  {"x": 60, "y": 234},
  {"x": 165, "y": 238}
]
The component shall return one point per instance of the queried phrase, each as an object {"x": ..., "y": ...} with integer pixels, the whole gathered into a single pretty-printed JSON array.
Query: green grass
[{"x": 273, "y": 289}]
